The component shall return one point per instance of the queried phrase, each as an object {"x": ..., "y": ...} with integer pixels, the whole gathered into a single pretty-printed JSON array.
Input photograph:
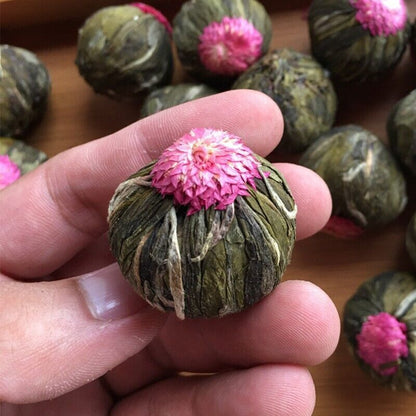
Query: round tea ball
[
  {"x": 24, "y": 90},
  {"x": 16, "y": 159},
  {"x": 206, "y": 230},
  {"x": 171, "y": 95},
  {"x": 401, "y": 130},
  {"x": 367, "y": 187},
  {"x": 218, "y": 40},
  {"x": 301, "y": 88},
  {"x": 124, "y": 51},
  {"x": 358, "y": 40},
  {"x": 379, "y": 321},
  {"x": 413, "y": 39},
  {"x": 411, "y": 238}
]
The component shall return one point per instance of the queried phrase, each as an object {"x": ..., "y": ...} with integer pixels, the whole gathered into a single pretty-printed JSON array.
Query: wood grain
[{"x": 77, "y": 115}]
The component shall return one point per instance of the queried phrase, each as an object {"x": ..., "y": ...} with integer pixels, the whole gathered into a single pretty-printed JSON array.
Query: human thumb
[{"x": 57, "y": 336}]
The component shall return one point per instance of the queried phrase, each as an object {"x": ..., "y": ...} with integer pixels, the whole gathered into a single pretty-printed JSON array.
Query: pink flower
[
  {"x": 381, "y": 17},
  {"x": 9, "y": 171},
  {"x": 382, "y": 342},
  {"x": 206, "y": 168},
  {"x": 230, "y": 46},
  {"x": 145, "y": 8}
]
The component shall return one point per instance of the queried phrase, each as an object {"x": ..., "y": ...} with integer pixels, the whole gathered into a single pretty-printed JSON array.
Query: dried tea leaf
[
  {"x": 24, "y": 90},
  {"x": 171, "y": 95},
  {"x": 366, "y": 184},
  {"x": 401, "y": 130},
  {"x": 379, "y": 322},
  {"x": 358, "y": 40},
  {"x": 202, "y": 259},
  {"x": 123, "y": 52},
  {"x": 217, "y": 40},
  {"x": 301, "y": 88}
]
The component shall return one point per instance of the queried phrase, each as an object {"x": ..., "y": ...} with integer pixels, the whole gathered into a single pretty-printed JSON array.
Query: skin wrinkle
[{"x": 78, "y": 200}]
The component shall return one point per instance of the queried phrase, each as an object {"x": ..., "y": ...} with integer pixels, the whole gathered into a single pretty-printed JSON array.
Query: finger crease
[{"x": 82, "y": 217}]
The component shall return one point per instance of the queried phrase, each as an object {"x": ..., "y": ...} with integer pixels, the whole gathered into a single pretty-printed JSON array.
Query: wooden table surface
[{"x": 76, "y": 115}]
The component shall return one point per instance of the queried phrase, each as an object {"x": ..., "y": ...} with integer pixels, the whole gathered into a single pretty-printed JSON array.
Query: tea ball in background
[
  {"x": 379, "y": 322},
  {"x": 206, "y": 230},
  {"x": 24, "y": 90},
  {"x": 171, "y": 95},
  {"x": 411, "y": 238},
  {"x": 217, "y": 40},
  {"x": 16, "y": 159},
  {"x": 401, "y": 130},
  {"x": 358, "y": 40},
  {"x": 301, "y": 88},
  {"x": 367, "y": 186},
  {"x": 124, "y": 51},
  {"x": 413, "y": 39}
]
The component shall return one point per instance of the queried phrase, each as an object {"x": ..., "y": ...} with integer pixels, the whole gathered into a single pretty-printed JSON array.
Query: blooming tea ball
[
  {"x": 16, "y": 159},
  {"x": 379, "y": 322},
  {"x": 411, "y": 238},
  {"x": 413, "y": 40},
  {"x": 24, "y": 90},
  {"x": 301, "y": 88},
  {"x": 401, "y": 130},
  {"x": 217, "y": 40},
  {"x": 358, "y": 40},
  {"x": 171, "y": 95},
  {"x": 367, "y": 187},
  {"x": 206, "y": 230},
  {"x": 124, "y": 51}
]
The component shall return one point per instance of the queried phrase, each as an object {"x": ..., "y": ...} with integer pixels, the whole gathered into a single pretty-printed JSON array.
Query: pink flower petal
[
  {"x": 381, "y": 17},
  {"x": 204, "y": 168},
  {"x": 230, "y": 46}
]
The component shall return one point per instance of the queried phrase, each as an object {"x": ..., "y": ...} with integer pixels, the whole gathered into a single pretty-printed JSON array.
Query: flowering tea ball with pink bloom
[
  {"x": 358, "y": 40},
  {"x": 125, "y": 51},
  {"x": 380, "y": 325},
  {"x": 206, "y": 230},
  {"x": 217, "y": 40},
  {"x": 16, "y": 159}
]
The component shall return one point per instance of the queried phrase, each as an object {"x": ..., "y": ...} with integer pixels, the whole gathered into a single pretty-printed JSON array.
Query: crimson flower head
[
  {"x": 381, "y": 17},
  {"x": 230, "y": 46},
  {"x": 382, "y": 343},
  {"x": 205, "y": 168}
]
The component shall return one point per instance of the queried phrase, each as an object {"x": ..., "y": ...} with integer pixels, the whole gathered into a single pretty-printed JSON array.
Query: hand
[{"x": 86, "y": 344}]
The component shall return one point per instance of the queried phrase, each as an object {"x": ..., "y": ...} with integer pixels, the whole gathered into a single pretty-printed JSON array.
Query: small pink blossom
[
  {"x": 381, "y": 17},
  {"x": 382, "y": 342},
  {"x": 145, "y": 8},
  {"x": 205, "y": 168},
  {"x": 9, "y": 171},
  {"x": 229, "y": 47}
]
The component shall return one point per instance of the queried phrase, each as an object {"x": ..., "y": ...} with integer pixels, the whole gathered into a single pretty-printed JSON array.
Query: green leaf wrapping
[
  {"x": 301, "y": 88},
  {"x": 208, "y": 264},
  {"x": 394, "y": 293},
  {"x": 365, "y": 181},
  {"x": 195, "y": 15},
  {"x": 345, "y": 48},
  {"x": 123, "y": 52}
]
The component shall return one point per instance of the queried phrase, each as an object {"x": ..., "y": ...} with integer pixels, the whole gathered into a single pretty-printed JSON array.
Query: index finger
[{"x": 60, "y": 208}]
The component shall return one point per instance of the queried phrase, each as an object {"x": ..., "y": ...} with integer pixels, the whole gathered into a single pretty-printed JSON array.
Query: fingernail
[{"x": 108, "y": 295}]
